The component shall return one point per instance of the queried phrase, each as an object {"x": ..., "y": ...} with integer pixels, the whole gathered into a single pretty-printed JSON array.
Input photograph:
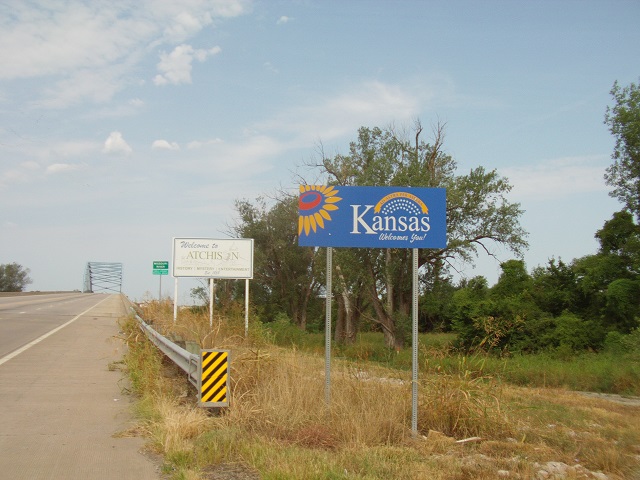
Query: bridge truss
[{"x": 103, "y": 277}]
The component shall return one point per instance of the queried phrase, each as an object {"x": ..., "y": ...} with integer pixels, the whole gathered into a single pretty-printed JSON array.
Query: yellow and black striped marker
[{"x": 214, "y": 378}]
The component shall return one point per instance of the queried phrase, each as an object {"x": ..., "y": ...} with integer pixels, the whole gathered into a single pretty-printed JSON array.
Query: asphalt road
[
  {"x": 62, "y": 409},
  {"x": 24, "y": 319}
]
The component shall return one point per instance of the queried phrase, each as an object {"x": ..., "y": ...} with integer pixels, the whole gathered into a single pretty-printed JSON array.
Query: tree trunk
[
  {"x": 344, "y": 325},
  {"x": 390, "y": 283},
  {"x": 339, "y": 333},
  {"x": 386, "y": 321}
]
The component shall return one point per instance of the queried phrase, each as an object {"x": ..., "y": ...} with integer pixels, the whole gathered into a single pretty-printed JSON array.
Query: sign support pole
[
  {"x": 414, "y": 348},
  {"x": 160, "y": 290},
  {"x": 211, "y": 290},
  {"x": 175, "y": 301},
  {"x": 327, "y": 329},
  {"x": 246, "y": 308}
]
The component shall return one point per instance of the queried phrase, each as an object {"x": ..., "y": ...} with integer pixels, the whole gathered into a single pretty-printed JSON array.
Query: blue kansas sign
[{"x": 378, "y": 217}]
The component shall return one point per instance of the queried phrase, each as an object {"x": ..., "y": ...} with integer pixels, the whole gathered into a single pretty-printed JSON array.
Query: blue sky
[{"x": 124, "y": 124}]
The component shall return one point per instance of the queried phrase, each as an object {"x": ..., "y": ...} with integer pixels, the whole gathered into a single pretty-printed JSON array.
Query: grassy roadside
[
  {"x": 278, "y": 426},
  {"x": 593, "y": 372}
]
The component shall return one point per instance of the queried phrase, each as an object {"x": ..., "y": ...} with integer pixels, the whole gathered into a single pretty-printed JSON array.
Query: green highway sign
[{"x": 161, "y": 268}]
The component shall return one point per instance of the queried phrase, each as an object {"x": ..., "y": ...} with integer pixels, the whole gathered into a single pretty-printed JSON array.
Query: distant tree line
[
  {"x": 13, "y": 277},
  {"x": 586, "y": 304},
  {"x": 582, "y": 304}
]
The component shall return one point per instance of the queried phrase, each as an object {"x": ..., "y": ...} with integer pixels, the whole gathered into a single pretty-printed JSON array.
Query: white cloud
[
  {"x": 132, "y": 107},
  {"x": 187, "y": 17},
  {"x": 558, "y": 178},
  {"x": 370, "y": 103},
  {"x": 87, "y": 85},
  {"x": 19, "y": 175},
  {"x": 54, "y": 38},
  {"x": 185, "y": 24},
  {"x": 115, "y": 144},
  {"x": 246, "y": 158},
  {"x": 175, "y": 67},
  {"x": 199, "y": 144},
  {"x": 10, "y": 177},
  {"x": 62, "y": 167},
  {"x": 164, "y": 145},
  {"x": 55, "y": 151},
  {"x": 284, "y": 19},
  {"x": 89, "y": 50}
]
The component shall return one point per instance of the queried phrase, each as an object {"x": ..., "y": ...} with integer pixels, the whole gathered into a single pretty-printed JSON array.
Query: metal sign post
[
  {"x": 374, "y": 217},
  {"x": 246, "y": 308},
  {"x": 327, "y": 330},
  {"x": 160, "y": 268},
  {"x": 414, "y": 347},
  {"x": 211, "y": 295}
]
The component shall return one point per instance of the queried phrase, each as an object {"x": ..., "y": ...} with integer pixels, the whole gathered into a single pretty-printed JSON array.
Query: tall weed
[{"x": 278, "y": 423}]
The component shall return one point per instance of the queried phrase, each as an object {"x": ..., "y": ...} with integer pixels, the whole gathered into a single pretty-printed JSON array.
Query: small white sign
[{"x": 213, "y": 258}]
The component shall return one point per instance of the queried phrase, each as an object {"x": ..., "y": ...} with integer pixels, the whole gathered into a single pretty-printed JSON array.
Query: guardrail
[
  {"x": 187, "y": 361},
  {"x": 208, "y": 372}
]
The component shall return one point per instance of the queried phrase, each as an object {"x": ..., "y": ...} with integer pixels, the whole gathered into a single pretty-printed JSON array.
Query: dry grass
[{"x": 279, "y": 427}]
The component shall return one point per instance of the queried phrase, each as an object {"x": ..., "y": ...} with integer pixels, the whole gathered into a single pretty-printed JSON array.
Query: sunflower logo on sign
[{"x": 314, "y": 204}]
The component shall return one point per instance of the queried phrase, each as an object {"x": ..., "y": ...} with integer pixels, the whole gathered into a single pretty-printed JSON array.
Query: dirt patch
[
  {"x": 230, "y": 471},
  {"x": 612, "y": 397}
]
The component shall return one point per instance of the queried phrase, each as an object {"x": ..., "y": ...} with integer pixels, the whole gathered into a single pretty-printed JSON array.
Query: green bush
[
  {"x": 284, "y": 332},
  {"x": 615, "y": 343},
  {"x": 576, "y": 333}
]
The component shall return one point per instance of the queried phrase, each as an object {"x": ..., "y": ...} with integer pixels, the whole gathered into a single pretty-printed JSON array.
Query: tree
[
  {"x": 513, "y": 281},
  {"x": 623, "y": 120},
  {"x": 468, "y": 304},
  {"x": 620, "y": 237},
  {"x": 478, "y": 213},
  {"x": 608, "y": 282},
  {"x": 13, "y": 277},
  {"x": 554, "y": 287},
  {"x": 286, "y": 280}
]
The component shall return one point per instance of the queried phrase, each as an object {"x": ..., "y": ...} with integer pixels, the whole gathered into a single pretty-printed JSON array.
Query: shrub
[
  {"x": 575, "y": 333},
  {"x": 615, "y": 343},
  {"x": 284, "y": 332}
]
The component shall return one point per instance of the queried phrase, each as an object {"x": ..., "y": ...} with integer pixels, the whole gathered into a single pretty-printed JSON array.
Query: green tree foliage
[
  {"x": 287, "y": 279},
  {"x": 468, "y": 305},
  {"x": 513, "y": 281},
  {"x": 436, "y": 301},
  {"x": 502, "y": 318},
  {"x": 607, "y": 282},
  {"x": 593, "y": 301},
  {"x": 13, "y": 277},
  {"x": 582, "y": 305},
  {"x": 622, "y": 304},
  {"x": 554, "y": 287},
  {"x": 620, "y": 237},
  {"x": 478, "y": 215},
  {"x": 623, "y": 120},
  {"x": 574, "y": 333}
]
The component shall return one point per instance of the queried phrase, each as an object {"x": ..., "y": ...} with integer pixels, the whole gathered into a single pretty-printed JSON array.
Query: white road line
[{"x": 15, "y": 353}]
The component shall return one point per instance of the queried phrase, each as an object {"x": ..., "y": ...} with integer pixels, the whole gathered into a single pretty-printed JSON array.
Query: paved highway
[
  {"x": 26, "y": 318},
  {"x": 61, "y": 406}
]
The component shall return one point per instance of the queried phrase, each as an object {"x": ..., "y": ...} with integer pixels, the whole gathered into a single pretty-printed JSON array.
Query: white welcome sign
[{"x": 213, "y": 258}]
